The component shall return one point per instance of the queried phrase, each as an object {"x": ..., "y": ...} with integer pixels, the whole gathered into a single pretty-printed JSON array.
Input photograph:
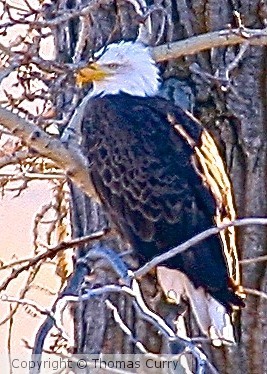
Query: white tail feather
[{"x": 211, "y": 316}]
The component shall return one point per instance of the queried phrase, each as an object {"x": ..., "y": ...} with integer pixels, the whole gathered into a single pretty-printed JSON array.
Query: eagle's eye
[{"x": 113, "y": 65}]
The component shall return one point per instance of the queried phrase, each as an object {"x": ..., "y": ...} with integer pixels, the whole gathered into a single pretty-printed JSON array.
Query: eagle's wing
[{"x": 211, "y": 168}]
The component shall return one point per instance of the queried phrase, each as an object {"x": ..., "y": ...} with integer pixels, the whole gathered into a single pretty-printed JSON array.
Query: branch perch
[
  {"x": 195, "y": 240},
  {"x": 67, "y": 159}
]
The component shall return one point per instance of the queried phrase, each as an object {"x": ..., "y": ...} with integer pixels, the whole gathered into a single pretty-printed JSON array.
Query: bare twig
[
  {"x": 38, "y": 308},
  {"x": 195, "y": 240},
  {"x": 50, "y": 254},
  {"x": 9, "y": 341},
  {"x": 83, "y": 35},
  {"x": 134, "y": 291},
  {"x": 64, "y": 16},
  {"x": 254, "y": 260},
  {"x": 22, "y": 292},
  {"x": 14, "y": 158},
  {"x": 250, "y": 291},
  {"x": 124, "y": 327},
  {"x": 32, "y": 176}
]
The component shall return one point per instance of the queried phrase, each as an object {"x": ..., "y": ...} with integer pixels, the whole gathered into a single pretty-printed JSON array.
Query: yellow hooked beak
[{"x": 92, "y": 72}]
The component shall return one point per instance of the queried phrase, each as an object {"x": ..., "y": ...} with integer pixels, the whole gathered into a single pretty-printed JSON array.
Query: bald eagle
[{"x": 161, "y": 180}]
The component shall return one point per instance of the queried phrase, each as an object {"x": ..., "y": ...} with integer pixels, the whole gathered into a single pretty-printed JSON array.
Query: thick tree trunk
[{"x": 234, "y": 110}]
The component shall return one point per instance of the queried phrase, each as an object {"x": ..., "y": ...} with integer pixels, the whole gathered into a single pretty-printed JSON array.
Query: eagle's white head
[{"x": 122, "y": 67}]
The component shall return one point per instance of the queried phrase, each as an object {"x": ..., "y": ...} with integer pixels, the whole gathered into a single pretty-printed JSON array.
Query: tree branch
[
  {"x": 250, "y": 291},
  {"x": 185, "y": 47},
  {"x": 134, "y": 291},
  {"x": 39, "y": 309},
  {"x": 70, "y": 160},
  {"x": 254, "y": 260},
  {"x": 48, "y": 254},
  {"x": 209, "y": 40},
  {"x": 195, "y": 240}
]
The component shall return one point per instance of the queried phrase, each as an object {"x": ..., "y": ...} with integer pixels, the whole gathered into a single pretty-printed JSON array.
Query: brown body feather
[{"x": 144, "y": 171}]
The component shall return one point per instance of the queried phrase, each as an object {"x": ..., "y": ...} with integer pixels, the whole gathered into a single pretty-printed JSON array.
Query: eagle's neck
[{"x": 138, "y": 86}]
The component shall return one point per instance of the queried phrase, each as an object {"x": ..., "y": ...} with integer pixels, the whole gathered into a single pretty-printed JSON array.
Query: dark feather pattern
[{"x": 144, "y": 173}]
